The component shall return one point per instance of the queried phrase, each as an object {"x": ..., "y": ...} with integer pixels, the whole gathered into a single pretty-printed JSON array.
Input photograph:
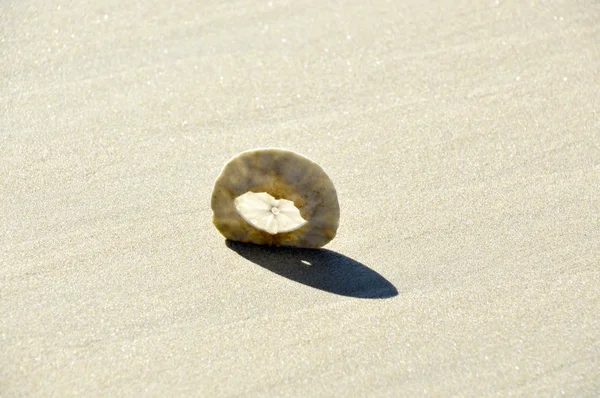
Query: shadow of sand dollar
[{"x": 319, "y": 268}]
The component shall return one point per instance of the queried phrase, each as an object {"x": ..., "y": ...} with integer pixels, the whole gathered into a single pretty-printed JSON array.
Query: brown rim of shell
[{"x": 282, "y": 174}]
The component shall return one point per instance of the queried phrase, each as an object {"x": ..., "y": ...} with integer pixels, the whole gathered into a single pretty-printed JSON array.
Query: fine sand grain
[{"x": 463, "y": 139}]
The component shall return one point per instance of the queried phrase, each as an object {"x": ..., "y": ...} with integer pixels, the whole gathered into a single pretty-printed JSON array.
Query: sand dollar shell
[{"x": 275, "y": 197}]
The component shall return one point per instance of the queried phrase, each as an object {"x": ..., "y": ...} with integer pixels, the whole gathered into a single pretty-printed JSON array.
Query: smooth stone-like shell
[{"x": 281, "y": 174}]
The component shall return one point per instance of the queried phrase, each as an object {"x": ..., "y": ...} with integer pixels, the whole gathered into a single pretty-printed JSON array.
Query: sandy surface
[{"x": 463, "y": 138}]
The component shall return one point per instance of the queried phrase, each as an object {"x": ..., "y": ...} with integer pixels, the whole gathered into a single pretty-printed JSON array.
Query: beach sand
[{"x": 463, "y": 139}]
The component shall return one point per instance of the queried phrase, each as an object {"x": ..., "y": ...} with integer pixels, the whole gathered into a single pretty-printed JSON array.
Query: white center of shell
[{"x": 268, "y": 214}]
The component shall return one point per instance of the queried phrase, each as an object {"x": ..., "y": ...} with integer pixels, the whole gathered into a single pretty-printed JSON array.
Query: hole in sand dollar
[{"x": 268, "y": 214}]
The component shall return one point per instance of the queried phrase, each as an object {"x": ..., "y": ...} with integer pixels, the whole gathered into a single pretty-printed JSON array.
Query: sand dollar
[{"x": 275, "y": 197}]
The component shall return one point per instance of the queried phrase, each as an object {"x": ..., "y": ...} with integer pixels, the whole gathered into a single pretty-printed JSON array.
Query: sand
[{"x": 464, "y": 142}]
